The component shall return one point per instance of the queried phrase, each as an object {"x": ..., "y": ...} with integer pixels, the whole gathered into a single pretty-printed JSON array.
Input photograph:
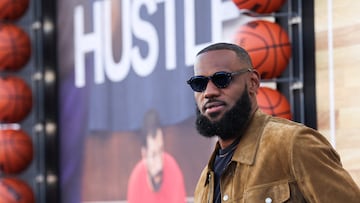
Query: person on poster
[
  {"x": 258, "y": 158},
  {"x": 157, "y": 178}
]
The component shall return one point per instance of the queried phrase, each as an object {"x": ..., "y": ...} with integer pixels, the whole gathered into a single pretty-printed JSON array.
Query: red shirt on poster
[{"x": 172, "y": 189}]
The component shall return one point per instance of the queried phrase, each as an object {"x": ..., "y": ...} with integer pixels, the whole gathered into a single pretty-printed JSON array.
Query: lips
[{"x": 213, "y": 106}]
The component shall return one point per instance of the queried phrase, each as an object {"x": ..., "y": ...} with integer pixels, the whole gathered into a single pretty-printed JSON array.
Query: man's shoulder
[
  {"x": 265, "y": 124},
  {"x": 287, "y": 131},
  {"x": 282, "y": 126},
  {"x": 170, "y": 162},
  {"x": 139, "y": 169}
]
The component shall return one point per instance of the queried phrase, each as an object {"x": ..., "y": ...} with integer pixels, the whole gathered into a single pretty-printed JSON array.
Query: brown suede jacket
[{"x": 278, "y": 160}]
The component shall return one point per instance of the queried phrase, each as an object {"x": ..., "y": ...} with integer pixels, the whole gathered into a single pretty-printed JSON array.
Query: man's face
[
  {"x": 153, "y": 156},
  {"x": 214, "y": 102},
  {"x": 222, "y": 112},
  {"x": 230, "y": 125}
]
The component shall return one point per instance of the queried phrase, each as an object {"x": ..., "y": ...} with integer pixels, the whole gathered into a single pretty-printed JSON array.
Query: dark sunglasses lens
[
  {"x": 198, "y": 83},
  {"x": 221, "y": 80}
]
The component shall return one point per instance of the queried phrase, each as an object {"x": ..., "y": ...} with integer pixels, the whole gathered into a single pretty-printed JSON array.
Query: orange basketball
[
  {"x": 16, "y": 151},
  {"x": 268, "y": 46},
  {"x": 15, "y": 99},
  {"x": 259, "y": 6},
  {"x": 13, "y": 9},
  {"x": 273, "y": 102},
  {"x": 15, "y": 47},
  {"x": 14, "y": 190}
]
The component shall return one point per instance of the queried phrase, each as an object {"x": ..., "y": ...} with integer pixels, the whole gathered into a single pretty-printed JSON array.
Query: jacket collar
[{"x": 247, "y": 148}]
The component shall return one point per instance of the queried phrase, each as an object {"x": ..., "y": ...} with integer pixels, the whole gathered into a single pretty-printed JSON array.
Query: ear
[{"x": 254, "y": 82}]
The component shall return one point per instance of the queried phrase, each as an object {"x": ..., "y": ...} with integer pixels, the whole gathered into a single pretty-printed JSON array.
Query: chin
[{"x": 216, "y": 116}]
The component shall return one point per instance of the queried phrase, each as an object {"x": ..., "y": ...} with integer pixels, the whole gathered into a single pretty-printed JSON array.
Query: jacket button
[
  {"x": 268, "y": 200},
  {"x": 226, "y": 197}
]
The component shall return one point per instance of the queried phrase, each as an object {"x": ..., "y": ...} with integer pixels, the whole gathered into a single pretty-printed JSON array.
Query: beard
[
  {"x": 230, "y": 125},
  {"x": 156, "y": 180}
]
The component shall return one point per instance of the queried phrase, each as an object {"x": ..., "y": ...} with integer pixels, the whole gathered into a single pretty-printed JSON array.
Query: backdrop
[{"x": 118, "y": 59}]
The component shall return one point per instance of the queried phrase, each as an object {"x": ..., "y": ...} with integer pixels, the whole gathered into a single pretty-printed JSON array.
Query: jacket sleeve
[{"x": 318, "y": 170}]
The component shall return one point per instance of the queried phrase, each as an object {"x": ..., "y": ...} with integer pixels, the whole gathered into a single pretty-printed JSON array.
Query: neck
[{"x": 225, "y": 143}]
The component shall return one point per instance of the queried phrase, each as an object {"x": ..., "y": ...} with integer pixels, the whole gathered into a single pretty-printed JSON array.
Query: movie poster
[{"x": 123, "y": 68}]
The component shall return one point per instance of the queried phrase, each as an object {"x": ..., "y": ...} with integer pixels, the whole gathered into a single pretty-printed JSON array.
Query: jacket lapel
[{"x": 248, "y": 146}]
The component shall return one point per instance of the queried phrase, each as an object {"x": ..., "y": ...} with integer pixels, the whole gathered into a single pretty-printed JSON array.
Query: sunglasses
[{"x": 220, "y": 79}]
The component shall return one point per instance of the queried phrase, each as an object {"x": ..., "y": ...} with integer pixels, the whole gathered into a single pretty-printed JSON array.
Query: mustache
[
  {"x": 156, "y": 185},
  {"x": 211, "y": 100}
]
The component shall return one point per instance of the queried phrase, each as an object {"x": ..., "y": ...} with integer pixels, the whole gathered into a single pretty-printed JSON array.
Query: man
[
  {"x": 258, "y": 158},
  {"x": 157, "y": 178}
]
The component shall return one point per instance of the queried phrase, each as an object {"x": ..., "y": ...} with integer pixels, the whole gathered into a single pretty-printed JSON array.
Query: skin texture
[{"x": 214, "y": 102}]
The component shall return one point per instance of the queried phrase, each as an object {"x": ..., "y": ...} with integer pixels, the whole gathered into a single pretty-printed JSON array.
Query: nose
[{"x": 211, "y": 90}]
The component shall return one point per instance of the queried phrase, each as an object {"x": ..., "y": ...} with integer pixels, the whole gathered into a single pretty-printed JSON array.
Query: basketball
[
  {"x": 13, "y": 9},
  {"x": 15, "y": 99},
  {"x": 273, "y": 102},
  {"x": 259, "y": 6},
  {"x": 268, "y": 46},
  {"x": 16, "y": 151},
  {"x": 14, "y": 190},
  {"x": 15, "y": 47}
]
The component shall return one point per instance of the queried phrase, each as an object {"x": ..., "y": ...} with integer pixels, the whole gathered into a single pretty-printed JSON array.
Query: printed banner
[{"x": 123, "y": 68}]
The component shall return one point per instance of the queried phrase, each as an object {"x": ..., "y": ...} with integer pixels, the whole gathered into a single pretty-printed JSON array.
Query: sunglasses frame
[{"x": 206, "y": 79}]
